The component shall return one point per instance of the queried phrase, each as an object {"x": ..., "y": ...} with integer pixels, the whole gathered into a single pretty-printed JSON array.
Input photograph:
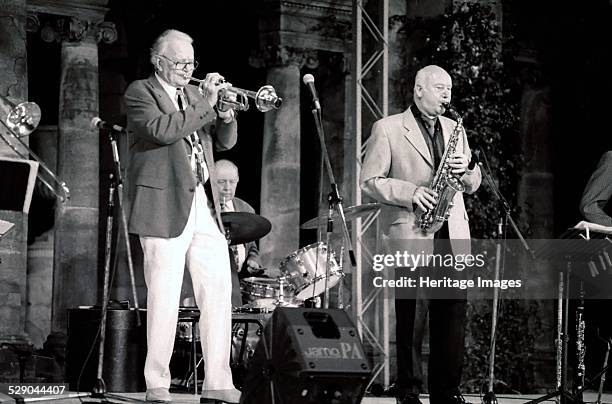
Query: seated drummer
[{"x": 244, "y": 257}]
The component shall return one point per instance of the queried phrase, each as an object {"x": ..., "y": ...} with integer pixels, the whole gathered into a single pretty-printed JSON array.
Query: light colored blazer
[
  {"x": 162, "y": 183},
  {"x": 397, "y": 161}
]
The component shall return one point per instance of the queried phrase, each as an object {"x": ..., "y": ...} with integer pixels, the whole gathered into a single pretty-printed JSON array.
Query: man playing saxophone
[{"x": 403, "y": 155}]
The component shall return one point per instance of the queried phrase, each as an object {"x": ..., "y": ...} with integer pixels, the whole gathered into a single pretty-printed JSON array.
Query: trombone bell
[
  {"x": 21, "y": 120},
  {"x": 24, "y": 118}
]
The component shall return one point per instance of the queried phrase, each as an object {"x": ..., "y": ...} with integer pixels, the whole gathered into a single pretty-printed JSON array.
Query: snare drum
[
  {"x": 305, "y": 271},
  {"x": 264, "y": 292}
]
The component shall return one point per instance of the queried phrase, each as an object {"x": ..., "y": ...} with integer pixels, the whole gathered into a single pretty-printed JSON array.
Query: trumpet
[
  {"x": 21, "y": 120},
  {"x": 238, "y": 99}
]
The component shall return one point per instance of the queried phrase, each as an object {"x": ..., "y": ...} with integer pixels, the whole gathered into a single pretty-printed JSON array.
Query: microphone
[
  {"x": 308, "y": 79},
  {"x": 96, "y": 122},
  {"x": 475, "y": 160}
]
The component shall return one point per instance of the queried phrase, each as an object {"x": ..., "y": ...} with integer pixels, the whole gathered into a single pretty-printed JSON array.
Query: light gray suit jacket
[{"x": 397, "y": 161}]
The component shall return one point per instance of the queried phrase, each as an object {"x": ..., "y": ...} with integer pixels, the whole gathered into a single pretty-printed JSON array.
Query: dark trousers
[
  {"x": 447, "y": 318},
  {"x": 446, "y": 346}
]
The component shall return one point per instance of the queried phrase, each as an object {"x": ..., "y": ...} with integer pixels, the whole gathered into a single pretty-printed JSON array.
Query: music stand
[
  {"x": 5, "y": 227},
  {"x": 17, "y": 180}
]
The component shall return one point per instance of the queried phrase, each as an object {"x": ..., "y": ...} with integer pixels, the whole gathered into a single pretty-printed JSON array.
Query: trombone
[
  {"x": 22, "y": 120},
  {"x": 238, "y": 99}
]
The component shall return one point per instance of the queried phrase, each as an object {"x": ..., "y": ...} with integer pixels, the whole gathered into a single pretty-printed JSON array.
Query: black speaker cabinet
[
  {"x": 125, "y": 350},
  {"x": 307, "y": 356}
]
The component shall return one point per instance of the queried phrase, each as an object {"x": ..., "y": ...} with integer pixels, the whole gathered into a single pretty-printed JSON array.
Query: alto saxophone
[{"x": 444, "y": 183}]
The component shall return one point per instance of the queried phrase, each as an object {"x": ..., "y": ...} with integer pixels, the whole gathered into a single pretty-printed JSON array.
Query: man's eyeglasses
[{"x": 191, "y": 65}]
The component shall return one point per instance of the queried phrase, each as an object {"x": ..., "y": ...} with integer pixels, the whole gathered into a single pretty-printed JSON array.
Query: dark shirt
[{"x": 435, "y": 140}]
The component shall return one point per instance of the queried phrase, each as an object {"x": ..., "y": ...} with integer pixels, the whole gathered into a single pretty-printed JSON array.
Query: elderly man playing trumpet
[{"x": 175, "y": 210}]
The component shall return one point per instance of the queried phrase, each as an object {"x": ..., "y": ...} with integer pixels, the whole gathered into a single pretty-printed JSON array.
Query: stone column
[
  {"x": 289, "y": 34},
  {"x": 13, "y": 246},
  {"x": 14, "y": 83},
  {"x": 40, "y": 252},
  {"x": 75, "y": 274},
  {"x": 280, "y": 174}
]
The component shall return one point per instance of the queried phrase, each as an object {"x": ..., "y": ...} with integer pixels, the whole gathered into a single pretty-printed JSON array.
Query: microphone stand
[
  {"x": 99, "y": 389},
  {"x": 489, "y": 397},
  {"x": 124, "y": 226},
  {"x": 334, "y": 202}
]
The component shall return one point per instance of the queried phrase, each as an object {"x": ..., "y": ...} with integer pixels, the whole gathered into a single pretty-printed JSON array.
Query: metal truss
[{"x": 370, "y": 75}]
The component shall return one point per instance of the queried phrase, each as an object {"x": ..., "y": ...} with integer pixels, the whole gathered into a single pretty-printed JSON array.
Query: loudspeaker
[
  {"x": 125, "y": 350},
  {"x": 307, "y": 356}
]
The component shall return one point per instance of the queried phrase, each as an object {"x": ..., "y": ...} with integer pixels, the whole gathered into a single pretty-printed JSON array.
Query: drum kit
[
  {"x": 304, "y": 274},
  {"x": 303, "y": 278}
]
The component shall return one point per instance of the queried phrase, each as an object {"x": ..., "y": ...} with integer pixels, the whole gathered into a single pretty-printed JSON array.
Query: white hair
[
  {"x": 425, "y": 74},
  {"x": 219, "y": 164},
  {"x": 161, "y": 43}
]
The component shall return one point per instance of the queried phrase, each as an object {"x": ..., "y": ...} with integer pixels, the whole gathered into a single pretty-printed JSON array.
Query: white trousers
[{"x": 203, "y": 248}]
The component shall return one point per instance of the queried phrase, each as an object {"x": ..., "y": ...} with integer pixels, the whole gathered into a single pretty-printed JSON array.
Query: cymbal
[
  {"x": 244, "y": 227},
  {"x": 350, "y": 213}
]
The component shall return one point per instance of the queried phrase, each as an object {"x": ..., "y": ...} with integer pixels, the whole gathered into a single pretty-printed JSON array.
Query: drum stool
[{"x": 192, "y": 316}]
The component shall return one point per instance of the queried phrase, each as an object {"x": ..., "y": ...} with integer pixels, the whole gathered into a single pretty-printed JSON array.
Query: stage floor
[{"x": 179, "y": 398}]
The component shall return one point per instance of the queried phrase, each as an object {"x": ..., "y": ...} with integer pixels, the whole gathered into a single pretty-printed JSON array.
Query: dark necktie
[
  {"x": 194, "y": 139},
  {"x": 437, "y": 140}
]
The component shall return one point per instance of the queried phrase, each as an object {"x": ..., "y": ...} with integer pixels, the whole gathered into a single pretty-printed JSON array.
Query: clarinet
[{"x": 580, "y": 345}]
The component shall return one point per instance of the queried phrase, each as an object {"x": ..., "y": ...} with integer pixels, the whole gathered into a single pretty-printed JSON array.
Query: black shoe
[
  {"x": 456, "y": 398},
  {"x": 408, "y": 398}
]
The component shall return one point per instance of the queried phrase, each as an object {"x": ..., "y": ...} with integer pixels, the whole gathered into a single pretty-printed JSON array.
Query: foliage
[
  {"x": 515, "y": 345},
  {"x": 468, "y": 44}
]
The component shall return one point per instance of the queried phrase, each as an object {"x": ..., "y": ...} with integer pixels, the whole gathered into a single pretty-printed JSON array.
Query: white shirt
[
  {"x": 228, "y": 206},
  {"x": 171, "y": 91}
]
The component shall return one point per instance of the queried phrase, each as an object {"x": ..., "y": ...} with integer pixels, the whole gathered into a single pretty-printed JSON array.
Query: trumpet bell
[
  {"x": 24, "y": 118},
  {"x": 266, "y": 99}
]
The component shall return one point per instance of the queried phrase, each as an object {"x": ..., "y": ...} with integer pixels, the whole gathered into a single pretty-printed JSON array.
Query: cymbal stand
[
  {"x": 328, "y": 232},
  {"x": 335, "y": 203},
  {"x": 341, "y": 283},
  {"x": 281, "y": 291}
]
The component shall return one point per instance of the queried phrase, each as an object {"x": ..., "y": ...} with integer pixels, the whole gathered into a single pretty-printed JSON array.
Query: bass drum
[{"x": 305, "y": 270}]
